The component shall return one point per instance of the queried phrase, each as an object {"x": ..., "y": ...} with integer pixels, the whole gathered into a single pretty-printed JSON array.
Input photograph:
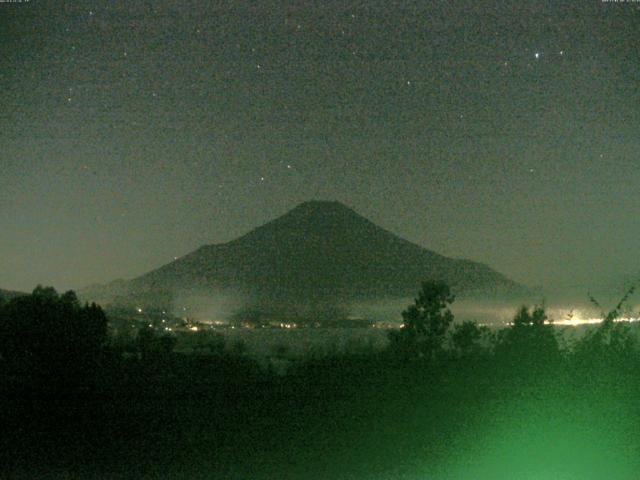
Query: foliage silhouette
[
  {"x": 470, "y": 340},
  {"x": 616, "y": 311},
  {"x": 51, "y": 336},
  {"x": 207, "y": 341},
  {"x": 153, "y": 347},
  {"x": 530, "y": 340},
  {"x": 611, "y": 341},
  {"x": 227, "y": 403},
  {"x": 426, "y": 322}
]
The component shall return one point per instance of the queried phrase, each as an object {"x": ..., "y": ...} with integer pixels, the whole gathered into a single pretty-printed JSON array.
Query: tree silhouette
[
  {"x": 425, "y": 323},
  {"x": 530, "y": 339},
  {"x": 468, "y": 338},
  {"x": 50, "y": 335}
]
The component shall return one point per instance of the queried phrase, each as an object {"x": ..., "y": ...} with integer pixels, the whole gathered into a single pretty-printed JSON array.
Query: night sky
[{"x": 132, "y": 132}]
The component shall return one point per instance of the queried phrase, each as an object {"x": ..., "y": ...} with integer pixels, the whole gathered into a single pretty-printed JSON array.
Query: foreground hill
[{"x": 318, "y": 253}]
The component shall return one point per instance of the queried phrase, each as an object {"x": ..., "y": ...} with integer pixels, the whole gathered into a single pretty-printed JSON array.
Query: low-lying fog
[
  {"x": 568, "y": 307},
  {"x": 571, "y": 312}
]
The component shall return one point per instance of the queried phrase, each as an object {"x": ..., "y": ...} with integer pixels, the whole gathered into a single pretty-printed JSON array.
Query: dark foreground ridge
[
  {"x": 320, "y": 252},
  {"x": 442, "y": 401}
]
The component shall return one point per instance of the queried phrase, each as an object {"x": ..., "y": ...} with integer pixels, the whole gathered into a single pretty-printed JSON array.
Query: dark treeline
[{"x": 444, "y": 400}]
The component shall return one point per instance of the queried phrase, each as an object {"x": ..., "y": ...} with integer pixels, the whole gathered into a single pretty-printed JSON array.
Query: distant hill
[{"x": 318, "y": 253}]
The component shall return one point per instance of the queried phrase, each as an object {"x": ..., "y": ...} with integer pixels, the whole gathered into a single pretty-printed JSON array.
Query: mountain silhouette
[{"x": 318, "y": 252}]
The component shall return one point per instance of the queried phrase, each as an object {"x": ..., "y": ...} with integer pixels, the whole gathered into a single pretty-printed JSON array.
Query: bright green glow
[{"x": 544, "y": 434}]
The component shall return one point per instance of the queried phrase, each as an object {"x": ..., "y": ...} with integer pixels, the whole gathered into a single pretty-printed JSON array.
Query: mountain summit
[{"x": 320, "y": 251}]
